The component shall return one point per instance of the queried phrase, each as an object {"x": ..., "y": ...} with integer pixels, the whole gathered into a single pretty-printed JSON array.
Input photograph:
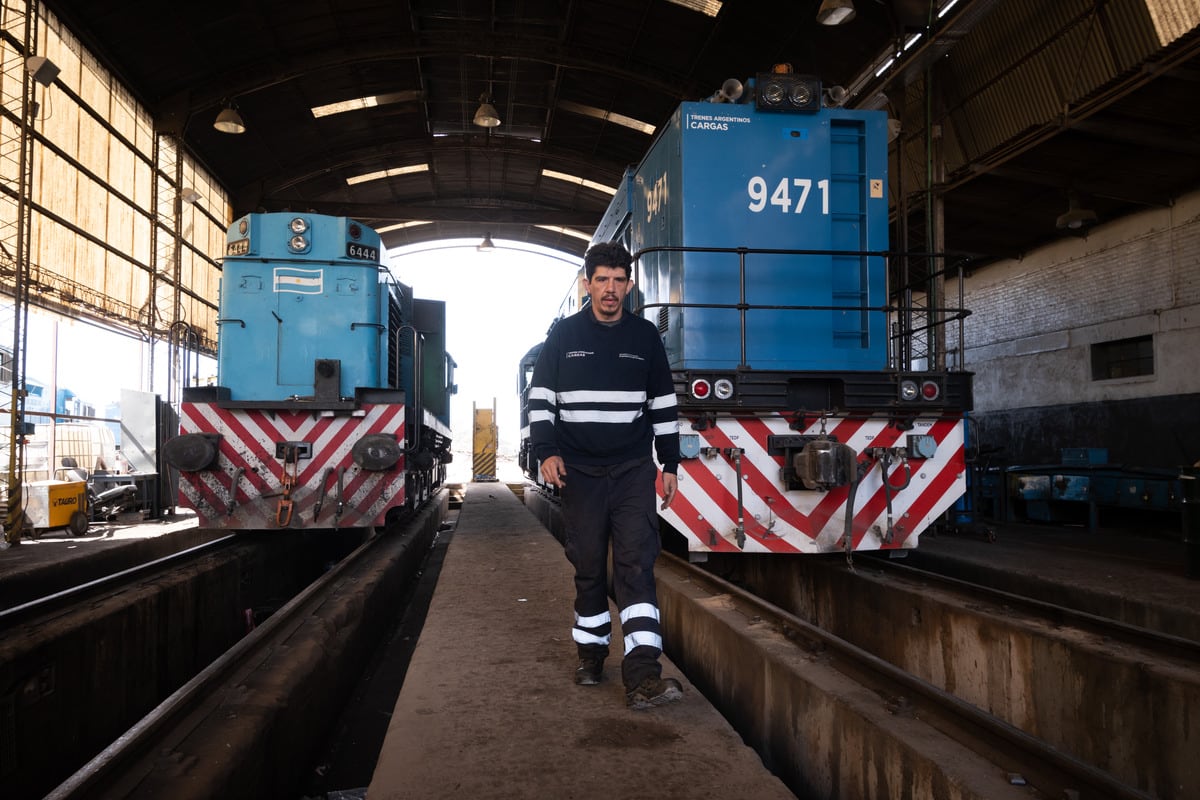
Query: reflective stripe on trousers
[{"x": 615, "y": 505}]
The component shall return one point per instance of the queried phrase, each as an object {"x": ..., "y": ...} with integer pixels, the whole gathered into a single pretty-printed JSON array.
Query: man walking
[{"x": 601, "y": 393}]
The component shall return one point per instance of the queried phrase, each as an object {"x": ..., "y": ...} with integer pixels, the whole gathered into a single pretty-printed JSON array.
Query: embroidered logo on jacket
[
  {"x": 632, "y": 355},
  {"x": 579, "y": 353}
]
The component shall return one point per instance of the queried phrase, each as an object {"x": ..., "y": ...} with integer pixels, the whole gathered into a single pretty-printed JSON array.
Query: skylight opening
[
  {"x": 709, "y": 8},
  {"x": 359, "y": 103},
  {"x": 587, "y": 237},
  {"x": 344, "y": 106},
  {"x": 607, "y": 116},
  {"x": 562, "y": 176},
  {"x": 387, "y": 173},
  {"x": 412, "y": 223}
]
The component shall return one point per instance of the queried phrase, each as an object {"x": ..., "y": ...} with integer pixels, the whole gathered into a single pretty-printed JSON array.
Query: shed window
[{"x": 1123, "y": 358}]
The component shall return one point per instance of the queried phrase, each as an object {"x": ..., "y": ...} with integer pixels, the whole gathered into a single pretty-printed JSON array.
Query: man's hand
[
  {"x": 670, "y": 485},
  {"x": 554, "y": 470}
]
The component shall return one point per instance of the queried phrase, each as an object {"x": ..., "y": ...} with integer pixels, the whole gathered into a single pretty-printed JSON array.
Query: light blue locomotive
[
  {"x": 760, "y": 238},
  {"x": 331, "y": 408}
]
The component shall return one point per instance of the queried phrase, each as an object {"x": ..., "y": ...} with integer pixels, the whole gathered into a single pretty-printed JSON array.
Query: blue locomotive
[
  {"x": 331, "y": 408},
  {"x": 760, "y": 238}
]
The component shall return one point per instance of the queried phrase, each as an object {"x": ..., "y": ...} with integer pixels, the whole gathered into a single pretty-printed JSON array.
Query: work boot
[
  {"x": 654, "y": 692},
  {"x": 589, "y": 671}
]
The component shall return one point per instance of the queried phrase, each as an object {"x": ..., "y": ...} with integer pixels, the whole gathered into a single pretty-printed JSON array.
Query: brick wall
[{"x": 1033, "y": 323}]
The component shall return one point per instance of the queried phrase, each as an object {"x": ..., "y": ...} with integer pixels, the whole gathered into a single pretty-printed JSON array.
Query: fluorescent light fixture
[
  {"x": 944, "y": 10},
  {"x": 387, "y": 173},
  {"x": 562, "y": 176},
  {"x": 412, "y": 223},
  {"x": 587, "y": 237},
  {"x": 607, "y": 116},
  {"x": 709, "y": 8}
]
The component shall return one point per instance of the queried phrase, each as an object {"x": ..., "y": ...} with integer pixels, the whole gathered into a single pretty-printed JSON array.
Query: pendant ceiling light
[
  {"x": 486, "y": 116},
  {"x": 229, "y": 121}
]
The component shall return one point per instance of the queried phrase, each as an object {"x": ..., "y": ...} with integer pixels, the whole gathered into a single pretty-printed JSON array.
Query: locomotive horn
[
  {"x": 835, "y": 95},
  {"x": 729, "y": 92}
]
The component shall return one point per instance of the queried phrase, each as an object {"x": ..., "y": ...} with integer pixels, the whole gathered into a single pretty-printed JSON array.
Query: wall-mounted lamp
[
  {"x": 1075, "y": 217},
  {"x": 42, "y": 69},
  {"x": 229, "y": 121},
  {"x": 835, "y": 12},
  {"x": 189, "y": 196},
  {"x": 486, "y": 116},
  {"x": 486, "y": 246}
]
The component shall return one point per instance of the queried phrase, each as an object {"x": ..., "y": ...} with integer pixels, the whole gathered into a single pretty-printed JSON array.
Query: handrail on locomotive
[{"x": 944, "y": 315}]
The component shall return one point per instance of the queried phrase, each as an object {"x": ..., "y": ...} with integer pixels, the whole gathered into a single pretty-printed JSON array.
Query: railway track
[
  {"x": 1158, "y": 644},
  {"x": 1022, "y": 760},
  {"x": 113, "y": 582},
  {"x": 88, "y": 669},
  {"x": 240, "y": 726},
  {"x": 1060, "y": 700},
  {"x": 1071, "y": 703}
]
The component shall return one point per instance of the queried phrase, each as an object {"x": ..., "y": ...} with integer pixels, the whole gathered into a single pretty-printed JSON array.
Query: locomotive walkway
[{"x": 489, "y": 707}]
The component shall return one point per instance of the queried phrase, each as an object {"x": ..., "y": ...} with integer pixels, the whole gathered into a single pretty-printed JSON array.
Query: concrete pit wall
[
  {"x": 1137, "y": 719},
  {"x": 266, "y": 730},
  {"x": 824, "y": 735},
  {"x": 74, "y": 683}
]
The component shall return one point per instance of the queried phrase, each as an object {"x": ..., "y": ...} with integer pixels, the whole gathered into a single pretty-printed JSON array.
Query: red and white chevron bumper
[
  {"x": 775, "y": 519},
  {"x": 245, "y": 488}
]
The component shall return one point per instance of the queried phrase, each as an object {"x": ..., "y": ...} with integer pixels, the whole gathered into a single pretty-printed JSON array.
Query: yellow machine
[{"x": 54, "y": 504}]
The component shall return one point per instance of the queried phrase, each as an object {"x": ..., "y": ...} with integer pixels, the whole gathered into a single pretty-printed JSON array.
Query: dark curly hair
[{"x": 606, "y": 254}]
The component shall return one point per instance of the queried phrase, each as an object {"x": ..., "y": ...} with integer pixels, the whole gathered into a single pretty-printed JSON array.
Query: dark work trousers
[{"x": 615, "y": 504}]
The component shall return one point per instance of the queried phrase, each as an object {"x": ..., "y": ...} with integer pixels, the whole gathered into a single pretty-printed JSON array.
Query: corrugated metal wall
[{"x": 1026, "y": 64}]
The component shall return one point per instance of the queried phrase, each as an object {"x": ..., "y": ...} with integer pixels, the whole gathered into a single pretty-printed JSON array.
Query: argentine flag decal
[{"x": 301, "y": 281}]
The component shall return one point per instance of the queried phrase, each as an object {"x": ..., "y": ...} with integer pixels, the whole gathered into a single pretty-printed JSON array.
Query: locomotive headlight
[
  {"x": 908, "y": 390},
  {"x": 773, "y": 92},
  {"x": 723, "y": 389},
  {"x": 298, "y": 244},
  {"x": 800, "y": 95},
  {"x": 298, "y": 225},
  {"x": 787, "y": 92},
  {"x": 930, "y": 390},
  {"x": 701, "y": 389}
]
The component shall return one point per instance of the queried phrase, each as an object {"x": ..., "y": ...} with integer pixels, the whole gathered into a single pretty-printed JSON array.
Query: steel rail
[
  {"x": 1162, "y": 644},
  {"x": 91, "y": 779},
  {"x": 16, "y": 614},
  {"x": 1066, "y": 772}
]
